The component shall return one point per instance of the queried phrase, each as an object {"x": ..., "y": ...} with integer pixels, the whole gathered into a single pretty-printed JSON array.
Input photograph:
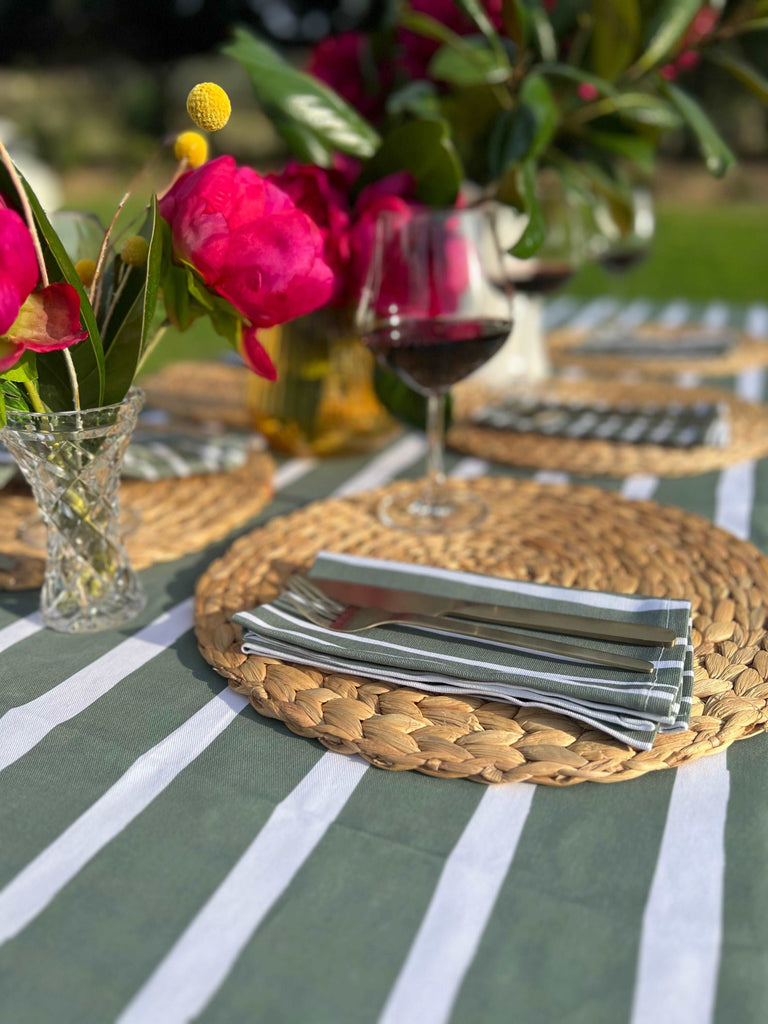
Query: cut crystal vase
[{"x": 72, "y": 460}]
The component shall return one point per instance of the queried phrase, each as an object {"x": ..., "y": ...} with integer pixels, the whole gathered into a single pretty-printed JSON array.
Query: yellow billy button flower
[
  {"x": 134, "y": 251},
  {"x": 85, "y": 269},
  {"x": 208, "y": 106},
  {"x": 192, "y": 147}
]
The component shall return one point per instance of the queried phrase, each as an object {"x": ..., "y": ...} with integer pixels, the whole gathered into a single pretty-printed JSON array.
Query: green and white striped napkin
[
  {"x": 154, "y": 455},
  {"x": 677, "y": 424},
  {"x": 632, "y": 707}
]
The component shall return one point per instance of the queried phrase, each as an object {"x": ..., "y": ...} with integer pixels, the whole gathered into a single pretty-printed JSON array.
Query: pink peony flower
[
  {"x": 322, "y": 195},
  {"x": 42, "y": 320},
  {"x": 251, "y": 245},
  {"x": 345, "y": 63}
]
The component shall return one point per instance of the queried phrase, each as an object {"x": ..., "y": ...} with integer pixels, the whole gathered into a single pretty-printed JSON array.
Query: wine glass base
[{"x": 450, "y": 511}]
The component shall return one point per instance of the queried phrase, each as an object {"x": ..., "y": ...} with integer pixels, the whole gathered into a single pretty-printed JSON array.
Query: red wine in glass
[
  {"x": 620, "y": 261},
  {"x": 432, "y": 355}
]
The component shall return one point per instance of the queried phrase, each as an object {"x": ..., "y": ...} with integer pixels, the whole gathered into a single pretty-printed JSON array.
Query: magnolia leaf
[
  {"x": 475, "y": 64},
  {"x": 615, "y": 36},
  {"x": 742, "y": 71},
  {"x": 644, "y": 108},
  {"x": 536, "y": 94},
  {"x": 536, "y": 229},
  {"x": 302, "y": 142},
  {"x": 665, "y": 30},
  {"x": 302, "y": 98},
  {"x": 634, "y": 147},
  {"x": 541, "y": 29},
  {"x": 81, "y": 233},
  {"x": 510, "y": 140},
  {"x": 11, "y": 397},
  {"x": 514, "y": 18},
  {"x": 423, "y": 148},
  {"x": 24, "y": 369},
  {"x": 718, "y": 156},
  {"x": 419, "y": 98},
  {"x": 475, "y": 10}
]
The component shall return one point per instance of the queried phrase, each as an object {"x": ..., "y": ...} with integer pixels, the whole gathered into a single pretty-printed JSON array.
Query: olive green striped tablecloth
[{"x": 168, "y": 855}]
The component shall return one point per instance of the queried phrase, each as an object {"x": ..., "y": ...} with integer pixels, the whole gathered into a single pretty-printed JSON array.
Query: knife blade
[{"x": 393, "y": 600}]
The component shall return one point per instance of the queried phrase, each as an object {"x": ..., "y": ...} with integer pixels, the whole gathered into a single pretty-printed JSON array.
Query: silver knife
[{"x": 368, "y": 596}]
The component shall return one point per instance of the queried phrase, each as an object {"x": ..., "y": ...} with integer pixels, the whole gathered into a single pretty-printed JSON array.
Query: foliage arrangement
[
  {"x": 221, "y": 242},
  {"x": 493, "y": 92}
]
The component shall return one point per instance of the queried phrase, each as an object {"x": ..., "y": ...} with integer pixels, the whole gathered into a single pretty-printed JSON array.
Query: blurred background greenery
[{"x": 89, "y": 89}]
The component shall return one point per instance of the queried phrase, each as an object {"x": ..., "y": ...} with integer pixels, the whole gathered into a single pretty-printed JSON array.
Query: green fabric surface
[{"x": 562, "y": 939}]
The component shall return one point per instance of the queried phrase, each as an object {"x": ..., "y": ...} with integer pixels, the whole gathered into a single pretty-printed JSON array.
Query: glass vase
[
  {"x": 323, "y": 401},
  {"x": 71, "y": 460}
]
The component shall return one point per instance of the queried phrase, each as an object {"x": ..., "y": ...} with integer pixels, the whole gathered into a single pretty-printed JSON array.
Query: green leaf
[
  {"x": 301, "y": 98},
  {"x": 474, "y": 64},
  {"x": 665, "y": 30},
  {"x": 11, "y": 397},
  {"x": 303, "y": 143},
  {"x": 515, "y": 20},
  {"x": 537, "y": 96},
  {"x": 634, "y": 147},
  {"x": 536, "y": 228},
  {"x": 510, "y": 140},
  {"x": 743, "y": 72},
  {"x": 478, "y": 14},
  {"x": 557, "y": 69},
  {"x": 418, "y": 98},
  {"x": 645, "y": 108},
  {"x": 541, "y": 29},
  {"x": 127, "y": 333},
  {"x": 81, "y": 233},
  {"x": 24, "y": 369},
  {"x": 423, "y": 148},
  {"x": 718, "y": 156},
  {"x": 615, "y": 36}
]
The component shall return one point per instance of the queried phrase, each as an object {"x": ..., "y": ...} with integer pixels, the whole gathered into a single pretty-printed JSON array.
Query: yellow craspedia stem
[
  {"x": 134, "y": 251},
  {"x": 192, "y": 147},
  {"x": 85, "y": 270},
  {"x": 208, "y": 106}
]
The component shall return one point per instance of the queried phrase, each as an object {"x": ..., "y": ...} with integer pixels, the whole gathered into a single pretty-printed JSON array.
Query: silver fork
[{"x": 323, "y": 611}]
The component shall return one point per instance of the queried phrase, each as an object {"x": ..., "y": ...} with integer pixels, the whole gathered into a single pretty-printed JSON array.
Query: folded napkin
[
  {"x": 632, "y": 707},
  {"x": 641, "y": 344},
  {"x": 154, "y": 455},
  {"x": 675, "y": 425}
]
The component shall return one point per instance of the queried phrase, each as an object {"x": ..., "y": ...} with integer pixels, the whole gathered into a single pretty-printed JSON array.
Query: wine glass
[
  {"x": 424, "y": 311},
  {"x": 626, "y": 246}
]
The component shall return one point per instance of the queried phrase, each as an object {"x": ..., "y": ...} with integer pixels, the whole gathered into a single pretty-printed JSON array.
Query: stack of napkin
[
  {"x": 157, "y": 455},
  {"x": 632, "y": 707},
  {"x": 641, "y": 345},
  {"x": 676, "y": 425}
]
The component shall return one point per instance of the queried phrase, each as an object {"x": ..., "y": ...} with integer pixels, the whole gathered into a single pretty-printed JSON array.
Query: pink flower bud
[
  {"x": 587, "y": 92},
  {"x": 669, "y": 71},
  {"x": 687, "y": 61}
]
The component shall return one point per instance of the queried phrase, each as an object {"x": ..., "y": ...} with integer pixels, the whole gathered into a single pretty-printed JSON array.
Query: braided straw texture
[
  {"x": 746, "y": 353},
  {"x": 172, "y": 517},
  {"x": 203, "y": 391},
  {"x": 594, "y": 457},
  {"x": 571, "y": 536}
]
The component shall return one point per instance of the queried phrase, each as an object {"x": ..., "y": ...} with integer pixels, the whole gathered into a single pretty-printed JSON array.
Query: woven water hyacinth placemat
[
  {"x": 594, "y": 457},
  {"x": 746, "y": 353},
  {"x": 164, "y": 519},
  {"x": 215, "y": 392},
  {"x": 569, "y": 536}
]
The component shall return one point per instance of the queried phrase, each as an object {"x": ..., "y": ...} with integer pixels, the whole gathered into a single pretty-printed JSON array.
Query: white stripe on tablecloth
[
  {"x": 682, "y": 924},
  {"x": 385, "y": 465},
  {"x": 635, "y": 313},
  {"x": 735, "y": 490},
  {"x": 469, "y": 468},
  {"x": 461, "y": 904},
  {"x": 20, "y": 630},
  {"x": 557, "y": 312},
  {"x": 292, "y": 471},
  {"x": 550, "y": 476},
  {"x": 688, "y": 379},
  {"x": 38, "y": 883},
  {"x": 199, "y": 961},
  {"x": 756, "y": 321},
  {"x": 674, "y": 314},
  {"x": 593, "y": 313},
  {"x": 640, "y": 486},
  {"x": 23, "y": 727}
]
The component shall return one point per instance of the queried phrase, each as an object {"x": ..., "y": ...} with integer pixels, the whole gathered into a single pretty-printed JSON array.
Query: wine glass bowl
[{"x": 424, "y": 312}]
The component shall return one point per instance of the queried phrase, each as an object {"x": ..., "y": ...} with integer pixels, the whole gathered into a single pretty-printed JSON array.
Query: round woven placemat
[
  {"x": 213, "y": 392},
  {"x": 594, "y": 457},
  {"x": 571, "y": 536},
  {"x": 166, "y": 518},
  {"x": 746, "y": 353}
]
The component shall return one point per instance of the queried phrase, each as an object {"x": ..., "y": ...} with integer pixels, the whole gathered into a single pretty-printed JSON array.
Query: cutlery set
[{"x": 353, "y": 607}]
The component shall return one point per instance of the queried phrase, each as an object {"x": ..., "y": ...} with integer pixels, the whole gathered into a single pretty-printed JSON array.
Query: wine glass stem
[{"x": 435, "y": 447}]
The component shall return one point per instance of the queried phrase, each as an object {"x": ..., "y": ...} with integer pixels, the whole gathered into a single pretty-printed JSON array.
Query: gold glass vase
[{"x": 323, "y": 401}]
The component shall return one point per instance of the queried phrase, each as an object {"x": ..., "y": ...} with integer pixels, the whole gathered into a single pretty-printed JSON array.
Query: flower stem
[
  {"x": 34, "y": 396},
  {"x": 150, "y": 347},
  {"x": 72, "y": 379}
]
